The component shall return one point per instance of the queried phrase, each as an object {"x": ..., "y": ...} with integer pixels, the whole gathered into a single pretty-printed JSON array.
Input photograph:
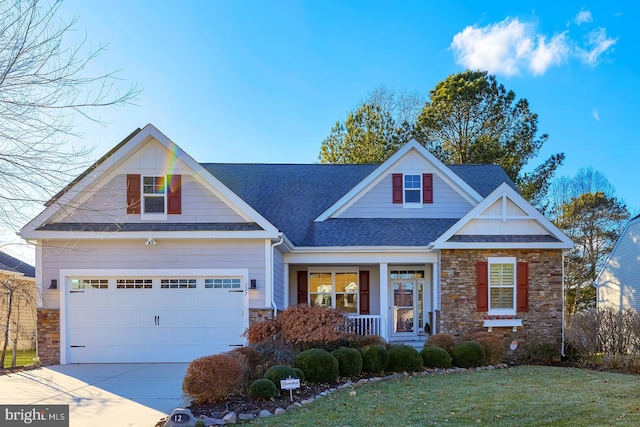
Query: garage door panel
[{"x": 146, "y": 325}]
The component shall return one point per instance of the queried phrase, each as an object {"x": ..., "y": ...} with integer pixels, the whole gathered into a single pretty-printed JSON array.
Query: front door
[{"x": 406, "y": 309}]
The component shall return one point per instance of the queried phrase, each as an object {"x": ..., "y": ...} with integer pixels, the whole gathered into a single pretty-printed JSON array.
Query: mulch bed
[{"x": 243, "y": 404}]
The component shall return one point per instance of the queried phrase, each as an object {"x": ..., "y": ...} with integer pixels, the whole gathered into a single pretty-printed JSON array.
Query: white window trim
[
  {"x": 153, "y": 215},
  {"x": 502, "y": 311},
  {"x": 410, "y": 205}
]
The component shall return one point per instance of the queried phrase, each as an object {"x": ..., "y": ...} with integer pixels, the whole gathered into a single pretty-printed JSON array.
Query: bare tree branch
[{"x": 44, "y": 86}]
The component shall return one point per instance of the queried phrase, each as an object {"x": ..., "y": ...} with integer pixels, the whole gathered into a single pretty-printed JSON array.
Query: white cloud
[
  {"x": 583, "y": 17},
  {"x": 595, "y": 115},
  {"x": 598, "y": 43},
  {"x": 508, "y": 47},
  {"x": 512, "y": 47},
  {"x": 545, "y": 55}
]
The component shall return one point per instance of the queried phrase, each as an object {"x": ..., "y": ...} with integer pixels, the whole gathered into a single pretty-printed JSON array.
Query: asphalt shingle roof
[
  {"x": 292, "y": 196},
  {"x": 9, "y": 263}
]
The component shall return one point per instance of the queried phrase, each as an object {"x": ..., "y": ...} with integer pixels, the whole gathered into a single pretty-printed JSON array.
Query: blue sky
[{"x": 264, "y": 81}]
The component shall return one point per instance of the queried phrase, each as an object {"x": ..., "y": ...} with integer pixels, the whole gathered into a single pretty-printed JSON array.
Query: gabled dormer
[
  {"x": 412, "y": 183},
  {"x": 147, "y": 182}
]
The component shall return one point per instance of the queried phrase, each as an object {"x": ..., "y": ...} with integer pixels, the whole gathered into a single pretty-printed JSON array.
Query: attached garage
[{"x": 151, "y": 315}]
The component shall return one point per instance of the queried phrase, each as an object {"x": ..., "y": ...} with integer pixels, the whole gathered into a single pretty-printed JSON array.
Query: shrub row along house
[{"x": 151, "y": 256}]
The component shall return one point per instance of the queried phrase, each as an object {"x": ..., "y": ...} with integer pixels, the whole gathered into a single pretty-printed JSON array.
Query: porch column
[
  {"x": 435, "y": 298},
  {"x": 384, "y": 300}
]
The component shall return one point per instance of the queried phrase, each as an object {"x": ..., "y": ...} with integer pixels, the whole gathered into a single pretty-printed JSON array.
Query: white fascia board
[
  {"x": 506, "y": 190},
  {"x": 377, "y": 175},
  {"x": 415, "y": 256},
  {"x": 90, "y": 235},
  {"x": 108, "y": 167},
  {"x": 505, "y": 245},
  {"x": 623, "y": 235}
]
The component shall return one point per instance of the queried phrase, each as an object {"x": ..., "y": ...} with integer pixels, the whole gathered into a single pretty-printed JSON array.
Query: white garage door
[{"x": 153, "y": 319}]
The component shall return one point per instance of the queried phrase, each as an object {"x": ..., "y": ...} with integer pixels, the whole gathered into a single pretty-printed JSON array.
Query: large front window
[
  {"x": 502, "y": 286},
  {"x": 153, "y": 194},
  {"x": 337, "y": 290}
]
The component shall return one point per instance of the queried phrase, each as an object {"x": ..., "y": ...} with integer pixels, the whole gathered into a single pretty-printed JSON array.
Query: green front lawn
[
  {"x": 22, "y": 358},
  {"x": 522, "y": 396}
]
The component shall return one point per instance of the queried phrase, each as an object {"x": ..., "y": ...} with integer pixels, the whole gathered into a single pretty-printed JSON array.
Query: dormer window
[
  {"x": 412, "y": 189},
  {"x": 153, "y": 195}
]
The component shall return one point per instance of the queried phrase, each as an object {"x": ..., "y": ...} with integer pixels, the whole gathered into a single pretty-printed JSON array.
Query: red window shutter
[
  {"x": 133, "y": 193},
  {"x": 397, "y": 187},
  {"x": 303, "y": 287},
  {"x": 522, "y": 289},
  {"x": 427, "y": 188},
  {"x": 482, "y": 286},
  {"x": 174, "y": 194},
  {"x": 364, "y": 292}
]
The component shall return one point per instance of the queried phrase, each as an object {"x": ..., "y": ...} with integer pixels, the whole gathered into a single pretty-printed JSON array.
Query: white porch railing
[{"x": 364, "y": 325}]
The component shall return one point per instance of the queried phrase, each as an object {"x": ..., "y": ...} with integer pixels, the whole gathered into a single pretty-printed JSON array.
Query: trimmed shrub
[
  {"x": 467, "y": 354},
  {"x": 442, "y": 340},
  {"x": 255, "y": 369},
  {"x": 214, "y": 378},
  {"x": 403, "y": 357},
  {"x": 300, "y": 374},
  {"x": 366, "y": 340},
  {"x": 537, "y": 352},
  {"x": 375, "y": 358},
  {"x": 263, "y": 389},
  {"x": 435, "y": 357},
  {"x": 278, "y": 372},
  {"x": 275, "y": 353},
  {"x": 494, "y": 347},
  {"x": 349, "y": 361},
  {"x": 319, "y": 366}
]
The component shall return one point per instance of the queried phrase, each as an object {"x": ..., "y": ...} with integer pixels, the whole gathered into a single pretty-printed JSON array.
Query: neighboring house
[
  {"x": 23, "y": 311},
  {"x": 618, "y": 283},
  {"x": 150, "y": 256}
]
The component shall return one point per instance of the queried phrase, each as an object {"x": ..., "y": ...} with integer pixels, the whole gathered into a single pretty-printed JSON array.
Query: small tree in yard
[{"x": 15, "y": 294}]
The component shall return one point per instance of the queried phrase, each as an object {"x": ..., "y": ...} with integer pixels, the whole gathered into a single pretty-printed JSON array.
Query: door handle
[{"x": 156, "y": 320}]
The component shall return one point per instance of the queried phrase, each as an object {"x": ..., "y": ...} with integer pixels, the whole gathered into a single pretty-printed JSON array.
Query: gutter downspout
[{"x": 273, "y": 276}]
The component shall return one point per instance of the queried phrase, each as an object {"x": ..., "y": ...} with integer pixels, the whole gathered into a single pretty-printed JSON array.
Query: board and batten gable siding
[
  {"x": 108, "y": 205},
  {"x": 377, "y": 202},
  {"x": 496, "y": 226},
  {"x": 619, "y": 282},
  {"x": 114, "y": 255}
]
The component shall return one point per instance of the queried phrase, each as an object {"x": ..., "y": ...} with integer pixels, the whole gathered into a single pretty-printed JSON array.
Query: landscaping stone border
[{"x": 234, "y": 418}]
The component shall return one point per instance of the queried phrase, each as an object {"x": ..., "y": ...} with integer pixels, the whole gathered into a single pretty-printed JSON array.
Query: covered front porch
[{"x": 397, "y": 298}]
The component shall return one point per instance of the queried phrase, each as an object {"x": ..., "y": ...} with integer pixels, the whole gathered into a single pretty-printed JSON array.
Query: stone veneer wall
[
  {"x": 49, "y": 336},
  {"x": 543, "y": 321},
  {"x": 258, "y": 314}
]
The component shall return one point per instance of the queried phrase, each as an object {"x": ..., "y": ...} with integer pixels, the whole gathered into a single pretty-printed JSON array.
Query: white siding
[
  {"x": 620, "y": 280},
  {"x": 167, "y": 254},
  {"x": 378, "y": 202},
  {"x": 108, "y": 205},
  {"x": 481, "y": 226}
]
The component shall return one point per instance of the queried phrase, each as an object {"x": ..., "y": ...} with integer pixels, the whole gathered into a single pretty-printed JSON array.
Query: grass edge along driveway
[{"x": 522, "y": 396}]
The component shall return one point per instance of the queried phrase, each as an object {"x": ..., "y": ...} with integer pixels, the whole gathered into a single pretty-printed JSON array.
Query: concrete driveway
[{"x": 136, "y": 394}]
